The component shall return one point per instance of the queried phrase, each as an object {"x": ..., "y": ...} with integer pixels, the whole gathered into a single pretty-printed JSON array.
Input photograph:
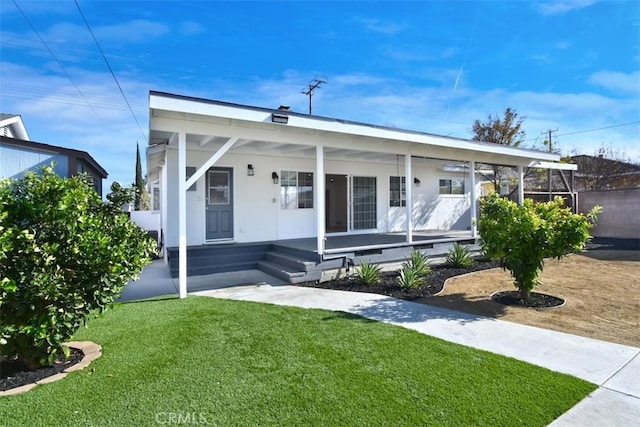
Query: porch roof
[{"x": 211, "y": 122}]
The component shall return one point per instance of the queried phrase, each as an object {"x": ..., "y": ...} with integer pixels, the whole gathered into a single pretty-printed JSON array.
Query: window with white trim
[
  {"x": 397, "y": 191},
  {"x": 452, "y": 186},
  {"x": 296, "y": 190}
]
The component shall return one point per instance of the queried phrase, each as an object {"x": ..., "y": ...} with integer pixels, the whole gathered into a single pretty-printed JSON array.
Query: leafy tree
[
  {"x": 142, "y": 202},
  {"x": 64, "y": 253},
  {"x": 506, "y": 130},
  {"x": 522, "y": 236}
]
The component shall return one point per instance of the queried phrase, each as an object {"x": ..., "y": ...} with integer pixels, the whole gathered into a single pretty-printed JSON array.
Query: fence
[{"x": 620, "y": 216}]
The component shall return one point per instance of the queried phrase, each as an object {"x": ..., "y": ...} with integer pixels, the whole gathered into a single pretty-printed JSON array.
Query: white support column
[
  {"x": 520, "y": 185},
  {"x": 473, "y": 197},
  {"x": 409, "y": 196},
  {"x": 320, "y": 199},
  {"x": 182, "y": 213}
]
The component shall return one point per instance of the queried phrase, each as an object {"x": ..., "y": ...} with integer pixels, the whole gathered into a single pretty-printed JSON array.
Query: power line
[
  {"x": 110, "y": 69},
  {"x": 589, "y": 130},
  {"x": 54, "y": 57},
  {"x": 602, "y": 128}
]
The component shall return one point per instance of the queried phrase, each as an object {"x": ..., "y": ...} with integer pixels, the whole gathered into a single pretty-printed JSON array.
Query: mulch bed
[
  {"x": 536, "y": 299},
  {"x": 434, "y": 282},
  {"x": 15, "y": 374}
]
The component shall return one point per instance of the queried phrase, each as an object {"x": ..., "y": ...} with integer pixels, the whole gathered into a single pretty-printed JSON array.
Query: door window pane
[
  {"x": 305, "y": 190},
  {"x": 218, "y": 187},
  {"x": 397, "y": 191}
]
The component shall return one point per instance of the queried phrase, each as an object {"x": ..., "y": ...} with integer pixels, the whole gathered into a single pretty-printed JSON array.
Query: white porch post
[
  {"x": 473, "y": 196},
  {"x": 408, "y": 196},
  {"x": 520, "y": 185},
  {"x": 320, "y": 199},
  {"x": 182, "y": 213}
]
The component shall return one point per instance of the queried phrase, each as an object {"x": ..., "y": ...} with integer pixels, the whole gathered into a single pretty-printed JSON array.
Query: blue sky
[{"x": 573, "y": 66}]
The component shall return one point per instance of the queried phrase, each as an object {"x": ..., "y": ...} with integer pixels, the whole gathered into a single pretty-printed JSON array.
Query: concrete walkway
[{"x": 614, "y": 368}]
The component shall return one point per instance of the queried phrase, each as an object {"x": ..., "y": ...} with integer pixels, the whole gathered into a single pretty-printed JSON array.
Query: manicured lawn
[{"x": 242, "y": 363}]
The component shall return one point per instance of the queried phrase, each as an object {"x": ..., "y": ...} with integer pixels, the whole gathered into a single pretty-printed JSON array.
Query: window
[
  {"x": 452, "y": 186},
  {"x": 397, "y": 191},
  {"x": 296, "y": 190},
  {"x": 155, "y": 196}
]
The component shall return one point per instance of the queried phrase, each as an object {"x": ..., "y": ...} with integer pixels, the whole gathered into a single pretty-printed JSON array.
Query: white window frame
[{"x": 286, "y": 204}]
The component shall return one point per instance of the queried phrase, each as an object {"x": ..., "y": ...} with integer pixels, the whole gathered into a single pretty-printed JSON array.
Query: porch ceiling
[{"x": 203, "y": 143}]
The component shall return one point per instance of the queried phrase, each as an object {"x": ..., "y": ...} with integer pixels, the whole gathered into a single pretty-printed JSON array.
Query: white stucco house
[{"x": 238, "y": 186}]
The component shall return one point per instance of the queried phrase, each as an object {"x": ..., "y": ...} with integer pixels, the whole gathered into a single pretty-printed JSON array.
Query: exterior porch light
[
  {"x": 279, "y": 118},
  {"x": 417, "y": 182},
  {"x": 250, "y": 171},
  {"x": 275, "y": 177}
]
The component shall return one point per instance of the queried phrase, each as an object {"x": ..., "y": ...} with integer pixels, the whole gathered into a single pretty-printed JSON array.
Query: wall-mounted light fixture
[
  {"x": 250, "y": 171},
  {"x": 417, "y": 182},
  {"x": 275, "y": 177},
  {"x": 279, "y": 118}
]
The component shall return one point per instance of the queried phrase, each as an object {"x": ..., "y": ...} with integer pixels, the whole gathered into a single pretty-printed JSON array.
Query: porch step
[
  {"x": 218, "y": 258},
  {"x": 284, "y": 272},
  {"x": 295, "y": 262}
]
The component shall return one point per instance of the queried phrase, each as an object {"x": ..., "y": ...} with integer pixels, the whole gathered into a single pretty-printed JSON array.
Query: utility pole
[
  {"x": 313, "y": 85},
  {"x": 550, "y": 172}
]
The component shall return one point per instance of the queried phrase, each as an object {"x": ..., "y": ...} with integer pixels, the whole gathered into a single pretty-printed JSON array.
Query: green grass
[{"x": 242, "y": 363}]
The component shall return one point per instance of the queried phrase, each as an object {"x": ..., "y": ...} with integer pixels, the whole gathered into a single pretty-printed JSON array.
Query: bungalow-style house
[
  {"x": 293, "y": 194},
  {"x": 18, "y": 156}
]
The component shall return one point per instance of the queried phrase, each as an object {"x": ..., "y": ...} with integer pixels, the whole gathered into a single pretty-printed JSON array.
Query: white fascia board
[
  {"x": 553, "y": 165},
  {"x": 257, "y": 115}
]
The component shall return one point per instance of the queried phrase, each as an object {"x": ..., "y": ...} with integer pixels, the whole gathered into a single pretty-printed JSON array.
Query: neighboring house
[
  {"x": 292, "y": 194},
  {"x": 597, "y": 173},
  {"x": 11, "y": 125},
  {"x": 18, "y": 156}
]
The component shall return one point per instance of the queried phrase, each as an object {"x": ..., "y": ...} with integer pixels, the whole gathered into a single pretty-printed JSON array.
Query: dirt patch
[{"x": 601, "y": 289}]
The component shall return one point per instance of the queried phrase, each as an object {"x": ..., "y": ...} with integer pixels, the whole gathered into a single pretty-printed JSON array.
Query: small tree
[
  {"x": 504, "y": 131},
  {"x": 142, "y": 201},
  {"x": 64, "y": 253},
  {"x": 522, "y": 236}
]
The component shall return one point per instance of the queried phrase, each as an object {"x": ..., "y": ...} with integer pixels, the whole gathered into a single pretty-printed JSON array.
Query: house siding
[
  {"x": 15, "y": 161},
  {"x": 259, "y": 217}
]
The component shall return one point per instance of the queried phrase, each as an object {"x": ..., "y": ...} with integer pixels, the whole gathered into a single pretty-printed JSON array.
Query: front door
[{"x": 219, "y": 203}]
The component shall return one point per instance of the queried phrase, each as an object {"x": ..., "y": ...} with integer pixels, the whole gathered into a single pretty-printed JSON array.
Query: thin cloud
[
  {"x": 561, "y": 7},
  {"x": 190, "y": 28},
  {"x": 135, "y": 31},
  {"x": 379, "y": 26},
  {"x": 624, "y": 83}
]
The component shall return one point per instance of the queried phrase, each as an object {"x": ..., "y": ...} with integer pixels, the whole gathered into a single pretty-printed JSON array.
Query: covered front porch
[{"x": 298, "y": 260}]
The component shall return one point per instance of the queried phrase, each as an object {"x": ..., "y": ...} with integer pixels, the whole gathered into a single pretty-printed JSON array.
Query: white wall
[
  {"x": 149, "y": 220},
  {"x": 257, "y": 212}
]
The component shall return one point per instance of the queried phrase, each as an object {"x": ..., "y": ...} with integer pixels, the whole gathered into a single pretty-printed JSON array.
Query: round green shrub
[{"x": 64, "y": 253}]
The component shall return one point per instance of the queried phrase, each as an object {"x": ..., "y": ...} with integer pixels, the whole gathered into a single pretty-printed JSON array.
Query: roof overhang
[
  {"x": 16, "y": 124},
  {"x": 211, "y": 122}
]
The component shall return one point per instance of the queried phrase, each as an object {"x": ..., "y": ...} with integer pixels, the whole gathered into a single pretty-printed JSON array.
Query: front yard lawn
[{"x": 217, "y": 362}]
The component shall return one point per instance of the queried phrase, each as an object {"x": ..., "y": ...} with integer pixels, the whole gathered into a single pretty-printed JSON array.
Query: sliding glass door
[{"x": 364, "y": 203}]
